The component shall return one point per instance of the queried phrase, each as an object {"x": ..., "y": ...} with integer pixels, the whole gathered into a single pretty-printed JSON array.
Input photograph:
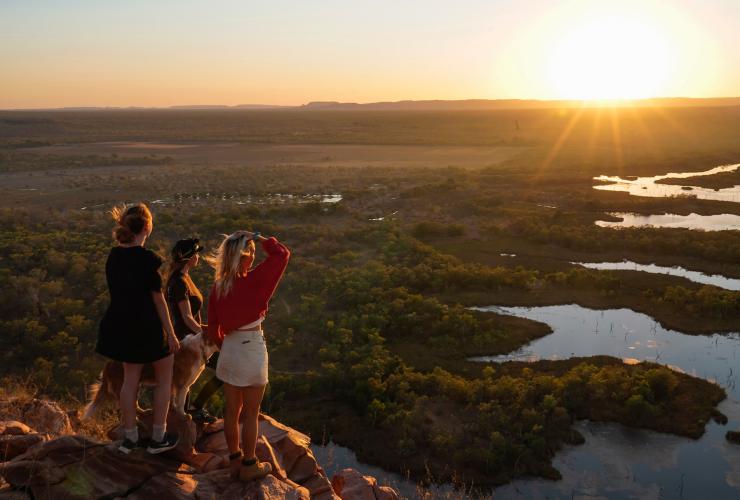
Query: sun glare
[{"x": 609, "y": 56}]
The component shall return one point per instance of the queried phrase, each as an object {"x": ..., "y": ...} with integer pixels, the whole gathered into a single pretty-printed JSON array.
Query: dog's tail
[{"x": 95, "y": 398}]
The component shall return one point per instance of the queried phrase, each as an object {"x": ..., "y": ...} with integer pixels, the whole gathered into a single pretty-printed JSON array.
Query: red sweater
[{"x": 247, "y": 300}]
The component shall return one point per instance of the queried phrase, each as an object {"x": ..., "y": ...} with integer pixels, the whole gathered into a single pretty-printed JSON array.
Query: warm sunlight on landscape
[
  {"x": 397, "y": 250},
  {"x": 610, "y": 57}
]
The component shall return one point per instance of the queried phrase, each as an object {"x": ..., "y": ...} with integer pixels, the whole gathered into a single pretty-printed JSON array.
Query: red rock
[
  {"x": 167, "y": 486},
  {"x": 265, "y": 453},
  {"x": 320, "y": 487},
  {"x": 217, "y": 485},
  {"x": 351, "y": 485},
  {"x": 46, "y": 417},
  {"x": 13, "y": 445},
  {"x": 14, "y": 428},
  {"x": 207, "y": 462},
  {"x": 73, "y": 467}
]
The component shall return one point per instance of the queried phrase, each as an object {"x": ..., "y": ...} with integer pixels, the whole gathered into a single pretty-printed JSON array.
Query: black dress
[
  {"x": 181, "y": 287},
  {"x": 131, "y": 330}
]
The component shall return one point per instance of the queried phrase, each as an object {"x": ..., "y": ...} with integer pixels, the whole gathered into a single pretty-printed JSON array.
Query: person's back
[
  {"x": 131, "y": 327},
  {"x": 237, "y": 306},
  {"x": 136, "y": 328}
]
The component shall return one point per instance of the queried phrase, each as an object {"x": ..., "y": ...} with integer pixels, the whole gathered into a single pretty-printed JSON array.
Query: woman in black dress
[
  {"x": 185, "y": 302},
  {"x": 136, "y": 327}
]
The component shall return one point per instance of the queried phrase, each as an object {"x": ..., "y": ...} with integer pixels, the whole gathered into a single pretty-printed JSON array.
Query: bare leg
[
  {"x": 252, "y": 399},
  {"x": 231, "y": 416},
  {"x": 163, "y": 389},
  {"x": 129, "y": 393}
]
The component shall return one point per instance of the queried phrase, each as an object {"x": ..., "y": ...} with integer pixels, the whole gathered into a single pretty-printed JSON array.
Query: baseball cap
[{"x": 184, "y": 249}]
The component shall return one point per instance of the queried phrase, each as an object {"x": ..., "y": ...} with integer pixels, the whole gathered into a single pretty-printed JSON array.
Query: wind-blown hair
[
  {"x": 130, "y": 221},
  {"x": 225, "y": 260}
]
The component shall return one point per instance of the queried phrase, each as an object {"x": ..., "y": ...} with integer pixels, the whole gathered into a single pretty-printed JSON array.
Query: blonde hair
[
  {"x": 130, "y": 221},
  {"x": 227, "y": 258}
]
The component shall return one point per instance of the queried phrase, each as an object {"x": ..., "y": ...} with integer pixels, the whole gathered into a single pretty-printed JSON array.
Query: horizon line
[{"x": 329, "y": 103}]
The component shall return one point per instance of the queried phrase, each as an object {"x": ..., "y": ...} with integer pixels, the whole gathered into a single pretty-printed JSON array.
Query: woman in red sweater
[{"x": 236, "y": 308}]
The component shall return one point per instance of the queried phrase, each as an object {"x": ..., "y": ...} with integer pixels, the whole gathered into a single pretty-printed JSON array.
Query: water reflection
[
  {"x": 193, "y": 199},
  {"x": 646, "y": 186},
  {"x": 708, "y": 279},
  {"x": 617, "y": 462},
  {"x": 721, "y": 222},
  {"x": 333, "y": 458}
]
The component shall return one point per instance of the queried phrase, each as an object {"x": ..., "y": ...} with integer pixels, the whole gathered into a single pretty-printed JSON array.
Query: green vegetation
[
  {"x": 371, "y": 327},
  {"x": 505, "y": 423},
  {"x": 718, "y": 181}
]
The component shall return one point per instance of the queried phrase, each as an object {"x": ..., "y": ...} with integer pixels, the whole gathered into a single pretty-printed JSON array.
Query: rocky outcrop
[
  {"x": 349, "y": 483},
  {"x": 46, "y": 417},
  {"x": 16, "y": 438},
  {"x": 40, "y": 465}
]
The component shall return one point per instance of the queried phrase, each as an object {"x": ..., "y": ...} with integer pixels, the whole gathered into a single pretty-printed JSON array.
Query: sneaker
[
  {"x": 201, "y": 416},
  {"x": 256, "y": 470},
  {"x": 167, "y": 443},
  {"x": 127, "y": 446}
]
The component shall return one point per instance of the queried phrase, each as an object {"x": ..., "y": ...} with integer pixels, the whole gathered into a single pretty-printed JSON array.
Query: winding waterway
[
  {"x": 647, "y": 186},
  {"x": 719, "y": 222},
  {"x": 707, "y": 279},
  {"x": 616, "y": 462}
]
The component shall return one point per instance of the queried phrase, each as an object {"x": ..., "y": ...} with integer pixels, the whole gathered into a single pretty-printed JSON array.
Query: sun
[{"x": 609, "y": 56}]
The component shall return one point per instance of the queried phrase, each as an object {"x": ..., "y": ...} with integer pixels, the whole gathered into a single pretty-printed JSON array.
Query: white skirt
[{"x": 243, "y": 359}]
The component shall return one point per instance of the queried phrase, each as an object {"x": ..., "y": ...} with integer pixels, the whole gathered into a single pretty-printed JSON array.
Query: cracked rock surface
[{"x": 42, "y": 466}]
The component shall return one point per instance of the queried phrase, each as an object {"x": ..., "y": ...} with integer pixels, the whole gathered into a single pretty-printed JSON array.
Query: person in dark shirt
[
  {"x": 183, "y": 297},
  {"x": 185, "y": 302},
  {"x": 136, "y": 328}
]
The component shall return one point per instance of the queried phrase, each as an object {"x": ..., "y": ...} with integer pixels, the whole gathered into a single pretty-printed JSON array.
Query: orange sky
[{"x": 137, "y": 53}]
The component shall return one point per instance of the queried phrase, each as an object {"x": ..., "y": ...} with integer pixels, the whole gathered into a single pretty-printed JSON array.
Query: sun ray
[
  {"x": 598, "y": 112},
  {"x": 557, "y": 146},
  {"x": 647, "y": 135},
  {"x": 617, "y": 140}
]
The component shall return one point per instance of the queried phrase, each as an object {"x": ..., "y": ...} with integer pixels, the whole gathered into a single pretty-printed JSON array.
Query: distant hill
[
  {"x": 223, "y": 106},
  {"x": 485, "y": 104},
  {"x": 442, "y": 105}
]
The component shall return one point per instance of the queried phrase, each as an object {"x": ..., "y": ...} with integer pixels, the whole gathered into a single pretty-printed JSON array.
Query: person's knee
[{"x": 250, "y": 412}]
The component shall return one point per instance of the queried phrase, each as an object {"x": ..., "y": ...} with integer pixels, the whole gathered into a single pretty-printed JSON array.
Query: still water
[
  {"x": 646, "y": 186},
  {"x": 617, "y": 462},
  {"x": 720, "y": 222},
  {"x": 708, "y": 279}
]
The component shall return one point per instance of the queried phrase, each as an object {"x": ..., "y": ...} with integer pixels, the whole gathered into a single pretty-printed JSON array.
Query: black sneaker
[
  {"x": 167, "y": 443},
  {"x": 127, "y": 446},
  {"x": 201, "y": 416}
]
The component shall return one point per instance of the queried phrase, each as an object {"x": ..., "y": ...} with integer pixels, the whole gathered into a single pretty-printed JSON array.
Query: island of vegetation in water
[{"x": 722, "y": 180}]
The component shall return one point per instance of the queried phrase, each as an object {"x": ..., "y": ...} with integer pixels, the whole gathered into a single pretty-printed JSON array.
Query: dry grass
[{"x": 16, "y": 393}]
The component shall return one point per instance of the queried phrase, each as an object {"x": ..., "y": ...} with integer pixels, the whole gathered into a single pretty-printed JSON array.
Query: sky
[{"x": 162, "y": 53}]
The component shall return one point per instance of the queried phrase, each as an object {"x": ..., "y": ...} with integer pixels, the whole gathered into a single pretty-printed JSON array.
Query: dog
[{"x": 190, "y": 362}]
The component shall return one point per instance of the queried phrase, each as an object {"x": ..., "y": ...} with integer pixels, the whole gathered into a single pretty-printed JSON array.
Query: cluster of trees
[
  {"x": 488, "y": 428},
  {"x": 350, "y": 298},
  {"x": 718, "y": 246},
  {"x": 707, "y": 300}
]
